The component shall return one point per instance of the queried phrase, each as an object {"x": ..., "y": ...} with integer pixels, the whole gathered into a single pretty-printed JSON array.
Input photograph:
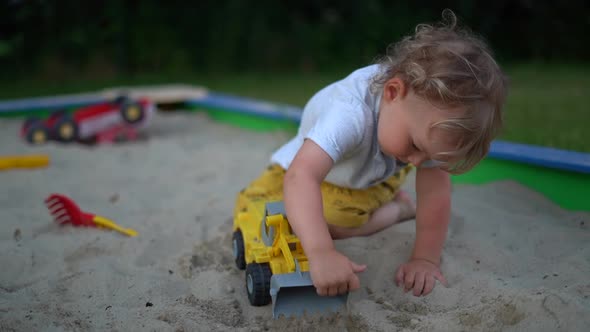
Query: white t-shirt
[{"x": 342, "y": 119}]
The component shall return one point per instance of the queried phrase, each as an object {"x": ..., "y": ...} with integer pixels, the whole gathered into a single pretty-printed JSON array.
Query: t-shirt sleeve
[{"x": 339, "y": 130}]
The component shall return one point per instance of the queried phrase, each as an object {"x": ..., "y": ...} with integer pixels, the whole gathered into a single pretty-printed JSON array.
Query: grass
[{"x": 548, "y": 104}]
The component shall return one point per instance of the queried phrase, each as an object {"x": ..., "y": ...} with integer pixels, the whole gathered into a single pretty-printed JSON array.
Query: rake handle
[
  {"x": 106, "y": 223},
  {"x": 24, "y": 161}
]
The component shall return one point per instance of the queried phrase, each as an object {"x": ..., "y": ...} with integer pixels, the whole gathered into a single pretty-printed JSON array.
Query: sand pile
[{"x": 514, "y": 260}]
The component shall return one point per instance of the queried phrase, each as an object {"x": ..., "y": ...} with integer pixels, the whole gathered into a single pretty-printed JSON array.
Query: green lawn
[
  {"x": 547, "y": 104},
  {"x": 550, "y": 106}
]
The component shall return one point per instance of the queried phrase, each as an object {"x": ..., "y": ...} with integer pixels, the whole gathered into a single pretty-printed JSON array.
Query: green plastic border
[
  {"x": 569, "y": 190},
  {"x": 246, "y": 121}
]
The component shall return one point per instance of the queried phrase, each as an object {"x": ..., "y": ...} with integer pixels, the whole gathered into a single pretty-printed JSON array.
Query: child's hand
[
  {"x": 419, "y": 275},
  {"x": 333, "y": 273}
]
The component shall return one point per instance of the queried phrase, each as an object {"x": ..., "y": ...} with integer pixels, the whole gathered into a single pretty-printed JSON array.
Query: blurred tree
[{"x": 68, "y": 37}]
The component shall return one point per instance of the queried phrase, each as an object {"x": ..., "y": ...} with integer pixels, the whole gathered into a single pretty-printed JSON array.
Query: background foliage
[{"x": 110, "y": 37}]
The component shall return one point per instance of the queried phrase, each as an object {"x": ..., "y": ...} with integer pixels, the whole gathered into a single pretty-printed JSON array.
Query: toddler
[{"x": 433, "y": 104}]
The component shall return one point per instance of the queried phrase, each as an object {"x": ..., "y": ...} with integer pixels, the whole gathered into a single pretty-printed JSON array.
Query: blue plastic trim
[
  {"x": 541, "y": 156},
  {"x": 20, "y": 105},
  {"x": 249, "y": 106}
]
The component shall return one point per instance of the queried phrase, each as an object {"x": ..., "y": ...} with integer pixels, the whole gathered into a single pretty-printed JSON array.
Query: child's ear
[{"x": 394, "y": 88}]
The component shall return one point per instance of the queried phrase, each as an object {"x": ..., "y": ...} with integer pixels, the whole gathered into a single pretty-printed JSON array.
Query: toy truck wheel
[
  {"x": 37, "y": 133},
  {"x": 132, "y": 112},
  {"x": 239, "y": 251},
  {"x": 258, "y": 283},
  {"x": 66, "y": 129}
]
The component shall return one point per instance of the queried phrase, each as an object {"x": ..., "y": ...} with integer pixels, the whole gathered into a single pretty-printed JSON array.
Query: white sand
[{"x": 514, "y": 261}]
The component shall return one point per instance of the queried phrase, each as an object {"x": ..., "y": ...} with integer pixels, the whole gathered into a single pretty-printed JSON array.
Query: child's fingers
[
  {"x": 356, "y": 268},
  {"x": 438, "y": 275},
  {"x": 399, "y": 276},
  {"x": 321, "y": 291},
  {"x": 418, "y": 283},
  {"x": 343, "y": 288},
  {"x": 354, "y": 283},
  {"x": 409, "y": 280},
  {"x": 332, "y": 291},
  {"x": 428, "y": 285}
]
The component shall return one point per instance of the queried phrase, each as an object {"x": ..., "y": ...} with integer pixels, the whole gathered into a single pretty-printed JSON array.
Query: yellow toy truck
[{"x": 276, "y": 267}]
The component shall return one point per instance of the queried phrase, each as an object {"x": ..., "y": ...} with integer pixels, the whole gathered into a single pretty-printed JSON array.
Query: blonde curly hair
[{"x": 453, "y": 69}]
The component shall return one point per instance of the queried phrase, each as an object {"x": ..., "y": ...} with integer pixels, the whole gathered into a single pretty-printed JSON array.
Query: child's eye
[{"x": 415, "y": 147}]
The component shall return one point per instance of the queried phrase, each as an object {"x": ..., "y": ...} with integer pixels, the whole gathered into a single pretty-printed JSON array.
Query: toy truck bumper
[{"x": 293, "y": 294}]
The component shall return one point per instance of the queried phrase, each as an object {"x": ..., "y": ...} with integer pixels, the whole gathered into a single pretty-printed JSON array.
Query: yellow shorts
[{"x": 342, "y": 206}]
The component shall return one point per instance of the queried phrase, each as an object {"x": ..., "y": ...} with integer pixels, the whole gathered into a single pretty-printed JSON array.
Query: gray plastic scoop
[{"x": 293, "y": 294}]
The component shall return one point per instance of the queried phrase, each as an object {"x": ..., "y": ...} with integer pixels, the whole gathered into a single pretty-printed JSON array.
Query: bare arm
[
  {"x": 433, "y": 190},
  {"x": 303, "y": 199},
  {"x": 332, "y": 273}
]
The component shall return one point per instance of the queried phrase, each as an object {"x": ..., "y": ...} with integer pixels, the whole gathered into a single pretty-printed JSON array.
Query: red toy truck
[{"x": 85, "y": 124}]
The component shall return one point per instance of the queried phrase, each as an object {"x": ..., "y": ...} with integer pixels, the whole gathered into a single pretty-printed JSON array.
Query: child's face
[{"x": 404, "y": 128}]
